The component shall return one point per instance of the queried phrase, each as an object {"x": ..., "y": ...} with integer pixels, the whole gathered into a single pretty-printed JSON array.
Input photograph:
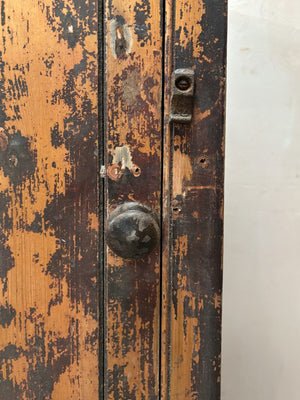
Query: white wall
[{"x": 261, "y": 319}]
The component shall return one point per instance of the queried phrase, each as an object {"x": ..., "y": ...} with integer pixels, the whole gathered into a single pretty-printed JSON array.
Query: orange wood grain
[
  {"x": 167, "y": 305},
  {"x": 48, "y": 348},
  {"x": 192, "y": 198},
  {"x": 133, "y": 80}
]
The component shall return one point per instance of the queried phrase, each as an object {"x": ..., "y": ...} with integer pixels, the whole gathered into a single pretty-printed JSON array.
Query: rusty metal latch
[{"x": 183, "y": 82}]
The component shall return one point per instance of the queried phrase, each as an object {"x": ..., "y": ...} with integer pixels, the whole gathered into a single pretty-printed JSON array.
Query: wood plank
[
  {"x": 48, "y": 201},
  {"x": 193, "y": 190},
  {"x": 133, "y": 78}
]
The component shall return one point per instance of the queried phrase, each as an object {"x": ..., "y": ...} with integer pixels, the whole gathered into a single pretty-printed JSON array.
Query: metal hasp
[
  {"x": 183, "y": 83},
  {"x": 132, "y": 231}
]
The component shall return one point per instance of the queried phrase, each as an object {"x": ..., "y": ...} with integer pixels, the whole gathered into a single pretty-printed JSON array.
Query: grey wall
[{"x": 261, "y": 319}]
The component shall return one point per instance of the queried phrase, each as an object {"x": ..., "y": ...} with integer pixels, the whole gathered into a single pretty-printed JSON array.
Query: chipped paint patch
[
  {"x": 122, "y": 157},
  {"x": 184, "y": 171},
  {"x": 133, "y": 119},
  {"x": 48, "y": 207},
  {"x": 121, "y": 37},
  {"x": 131, "y": 86},
  {"x": 188, "y": 25}
]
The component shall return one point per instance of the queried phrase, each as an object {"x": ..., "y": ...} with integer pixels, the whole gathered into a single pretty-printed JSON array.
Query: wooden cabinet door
[
  {"x": 133, "y": 79},
  {"x": 49, "y": 200},
  {"x": 111, "y": 109}
]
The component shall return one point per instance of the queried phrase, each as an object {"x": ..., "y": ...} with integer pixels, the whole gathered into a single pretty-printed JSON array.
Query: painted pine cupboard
[{"x": 111, "y": 199}]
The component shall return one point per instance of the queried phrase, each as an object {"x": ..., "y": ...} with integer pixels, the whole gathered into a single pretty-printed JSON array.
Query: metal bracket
[{"x": 183, "y": 83}]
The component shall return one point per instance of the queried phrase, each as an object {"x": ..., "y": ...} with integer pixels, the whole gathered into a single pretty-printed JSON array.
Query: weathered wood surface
[
  {"x": 49, "y": 209},
  {"x": 48, "y": 200},
  {"x": 193, "y": 192},
  {"x": 133, "y": 79}
]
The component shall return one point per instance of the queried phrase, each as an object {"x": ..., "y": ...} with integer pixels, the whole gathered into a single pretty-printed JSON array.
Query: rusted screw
[
  {"x": 183, "y": 83},
  {"x": 114, "y": 172}
]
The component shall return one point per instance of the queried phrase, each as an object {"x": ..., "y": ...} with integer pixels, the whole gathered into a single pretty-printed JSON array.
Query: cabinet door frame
[{"x": 85, "y": 86}]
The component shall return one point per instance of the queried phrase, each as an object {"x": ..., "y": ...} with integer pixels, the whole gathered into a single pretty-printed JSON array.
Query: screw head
[
  {"x": 183, "y": 83},
  {"x": 114, "y": 172}
]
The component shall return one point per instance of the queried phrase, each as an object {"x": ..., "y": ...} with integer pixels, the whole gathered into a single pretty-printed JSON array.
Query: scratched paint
[
  {"x": 121, "y": 37},
  {"x": 49, "y": 211},
  {"x": 133, "y": 132},
  {"x": 192, "y": 257},
  {"x": 48, "y": 239}
]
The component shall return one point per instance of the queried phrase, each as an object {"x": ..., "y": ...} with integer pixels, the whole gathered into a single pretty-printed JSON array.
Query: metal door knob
[{"x": 132, "y": 231}]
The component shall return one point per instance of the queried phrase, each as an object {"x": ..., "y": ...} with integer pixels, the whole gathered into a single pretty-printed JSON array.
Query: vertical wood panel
[
  {"x": 133, "y": 76},
  {"x": 193, "y": 179},
  {"x": 48, "y": 200}
]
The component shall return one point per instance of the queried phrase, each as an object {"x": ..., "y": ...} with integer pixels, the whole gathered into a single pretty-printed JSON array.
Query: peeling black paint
[
  {"x": 36, "y": 225},
  {"x": 18, "y": 161},
  {"x": 2, "y": 13},
  {"x": 17, "y": 88},
  {"x": 5, "y": 218},
  {"x": 142, "y": 27},
  {"x": 6, "y": 257},
  {"x": 75, "y": 236},
  {"x": 44, "y": 372},
  {"x": 48, "y": 355},
  {"x": 200, "y": 219},
  {"x": 118, "y": 384},
  {"x": 9, "y": 390},
  {"x": 209, "y": 74},
  {"x": 3, "y": 116},
  {"x": 56, "y": 136},
  {"x": 68, "y": 214},
  {"x": 73, "y": 27},
  {"x": 7, "y": 314},
  {"x": 133, "y": 287}
]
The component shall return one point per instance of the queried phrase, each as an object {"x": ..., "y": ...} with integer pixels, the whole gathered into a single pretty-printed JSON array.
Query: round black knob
[{"x": 132, "y": 231}]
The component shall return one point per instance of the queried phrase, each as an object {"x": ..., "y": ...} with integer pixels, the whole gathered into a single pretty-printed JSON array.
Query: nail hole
[
  {"x": 176, "y": 210},
  {"x": 203, "y": 161},
  {"x": 136, "y": 171}
]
